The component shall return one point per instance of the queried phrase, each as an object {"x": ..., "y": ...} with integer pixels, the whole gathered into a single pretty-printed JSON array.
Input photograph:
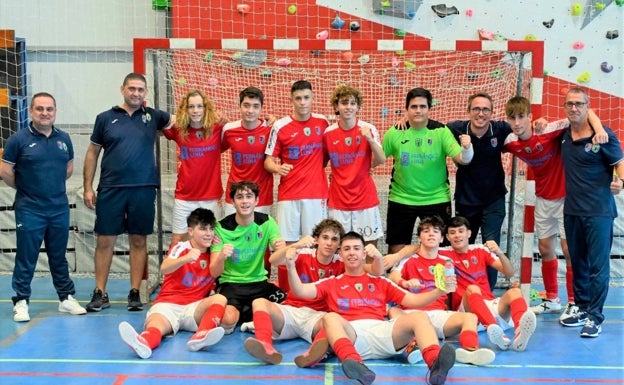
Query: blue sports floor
[{"x": 55, "y": 348}]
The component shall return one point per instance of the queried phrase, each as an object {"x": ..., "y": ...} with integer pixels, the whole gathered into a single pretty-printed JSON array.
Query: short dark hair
[
  {"x": 418, "y": 92},
  {"x": 242, "y": 186},
  {"x": 458, "y": 222},
  {"x": 352, "y": 235},
  {"x": 433, "y": 221},
  {"x": 134, "y": 76},
  {"x": 251, "y": 93},
  {"x": 41, "y": 95},
  {"x": 201, "y": 216},
  {"x": 300, "y": 85}
]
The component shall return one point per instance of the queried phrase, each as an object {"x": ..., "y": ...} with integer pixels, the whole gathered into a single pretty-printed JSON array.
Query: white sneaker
[
  {"x": 135, "y": 341},
  {"x": 20, "y": 311},
  {"x": 524, "y": 331},
  {"x": 497, "y": 336},
  {"x": 477, "y": 357},
  {"x": 71, "y": 306},
  {"x": 248, "y": 327},
  {"x": 570, "y": 310},
  {"x": 547, "y": 306},
  {"x": 205, "y": 338}
]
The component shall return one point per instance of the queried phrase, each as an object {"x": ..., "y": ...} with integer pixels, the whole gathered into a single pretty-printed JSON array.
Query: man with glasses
[
  {"x": 593, "y": 174},
  {"x": 480, "y": 186}
]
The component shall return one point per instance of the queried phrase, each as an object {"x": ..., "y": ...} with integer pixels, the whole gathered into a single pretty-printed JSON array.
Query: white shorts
[
  {"x": 492, "y": 304},
  {"x": 182, "y": 209},
  {"x": 374, "y": 338},
  {"x": 181, "y": 317},
  {"x": 438, "y": 319},
  {"x": 298, "y": 218},
  {"x": 229, "y": 209},
  {"x": 549, "y": 217},
  {"x": 299, "y": 322},
  {"x": 366, "y": 222}
]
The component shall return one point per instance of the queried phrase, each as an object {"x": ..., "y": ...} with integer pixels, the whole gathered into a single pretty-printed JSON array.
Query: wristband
[{"x": 467, "y": 154}]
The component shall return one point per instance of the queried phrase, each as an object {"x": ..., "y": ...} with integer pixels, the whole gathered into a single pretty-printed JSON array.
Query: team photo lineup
[{"x": 314, "y": 271}]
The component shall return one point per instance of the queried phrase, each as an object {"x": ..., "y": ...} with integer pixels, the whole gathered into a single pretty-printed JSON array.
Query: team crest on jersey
[
  {"x": 358, "y": 286},
  {"x": 473, "y": 260},
  {"x": 348, "y": 141},
  {"x": 528, "y": 150},
  {"x": 358, "y": 140},
  {"x": 199, "y": 134},
  {"x": 430, "y": 141},
  {"x": 203, "y": 264},
  {"x": 494, "y": 142},
  {"x": 431, "y": 268},
  {"x": 251, "y": 139},
  {"x": 539, "y": 147},
  {"x": 318, "y": 130},
  {"x": 588, "y": 147},
  {"x": 371, "y": 287},
  {"x": 418, "y": 142},
  {"x": 404, "y": 159},
  {"x": 466, "y": 264},
  {"x": 261, "y": 139},
  {"x": 595, "y": 148},
  {"x": 260, "y": 234},
  {"x": 307, "y": 131},
  {"x": 248, "y": 237},
  {"x": 321, "y": 273},
  {"x": 61, "y": 145}
]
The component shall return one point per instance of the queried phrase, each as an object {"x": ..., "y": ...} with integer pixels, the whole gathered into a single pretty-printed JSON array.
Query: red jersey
[
  {"x": 309, "y": 270},
  {"x": 359, "y": 297},
  {"x": 300, "y": 143},
  {"x": 352, "y": 187},
  {"x": 199, "y": 172},
  {"x": 247, "y": 156},
  {"x": 420, "y": 268},
  {"x": 190, "y": 282},
  {"x": 471, "y": 269},
  {"x": 542, "y": 152}
]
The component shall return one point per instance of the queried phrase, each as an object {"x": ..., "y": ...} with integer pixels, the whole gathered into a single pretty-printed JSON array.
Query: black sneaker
[
  {"x": 99, "y": 301},
  {"x": 358, "y": 371},
  {"x": 441, "y": 366},
  {"x": 134, "y": 300}
]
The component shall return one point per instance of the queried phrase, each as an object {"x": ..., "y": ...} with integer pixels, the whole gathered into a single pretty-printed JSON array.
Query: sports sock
[
  {"x": 480, "y": 309},
  {"x": 212, "y": 317},
  {"x": 343, "y": 347},
  {"x": 153, "y": 336},
  {"x": 264, "y": 327},
  {"x": 569, "y": 285},
  {"x": 430, "y": 354},
  {"x": 469, "y": 339},
  {"x": 549, "y": 273},
  {"x": 518, "y": 307}
]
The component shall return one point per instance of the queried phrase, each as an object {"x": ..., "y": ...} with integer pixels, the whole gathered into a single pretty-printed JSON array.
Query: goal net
[{"x": 382, "y": 70}]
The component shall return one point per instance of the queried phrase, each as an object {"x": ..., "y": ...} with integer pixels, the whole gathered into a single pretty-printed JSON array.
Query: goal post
[{"x": 383, "y": 70}]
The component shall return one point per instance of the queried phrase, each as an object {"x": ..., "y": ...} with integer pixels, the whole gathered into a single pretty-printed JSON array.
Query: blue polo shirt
[
  {"x": 128, "y": 143},
  {"x": 482, "y": 181},
  {"x": 40, "y": 165},
  {"x": 589, "y": 172}
]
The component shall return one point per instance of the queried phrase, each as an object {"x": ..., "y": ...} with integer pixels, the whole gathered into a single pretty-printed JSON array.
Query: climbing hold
[
  {"x": 472, "y": 76},
  {"x": 266, "y": 73},
  {"x": 386, "y": 3},
  {"x": 443, "y": 11},
  {"x": 354, "y": 26},
  {"x": 564, "y": 90},
  {"x": 584, "y": 77},
  {"x": 497, "y": 73},
  {"x": 213, "y": 82},
  {"x": 548, "y": 23},
  {"x": 545, "y": 72},
  {"x": 181, "y": 81},
  {"x": 348, "y": 56},
  {"x": 469, "y": 13},
  {"x": 284, "y": 62},
  {"x": 599, "y": 6},
  {"x": 316, "y": 52},
  {"x": 364, "y": 59},
  {"x": 394, "y": 81},
  {"x": 338, "y": 22},
  {"x": 619, "y": 3},
  {"x": 384, "y": 112},
  {"x": 395, "y": 61},
  {"x": 577, "y": 9},
  {"x": 292, "y": 9},
  {"x": 612, "y": 34},
  {"x": 435, "y": 102},
  {"x": 400, "y": 52},
  {"x": 530, "y": 37},
  {"x": 209, "y": 56},
  {"x": 606, "y": 67},
  {"x": 572, "y": 61},
  {"x": 441, "y": 72},
  {"x": 243, "y": 8},
  {"x": 323, "y": 35},
  {"x": 578, "y": 45},
  {"x": 409, "y": 65},
  {"x": 400, "y": 32}
]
